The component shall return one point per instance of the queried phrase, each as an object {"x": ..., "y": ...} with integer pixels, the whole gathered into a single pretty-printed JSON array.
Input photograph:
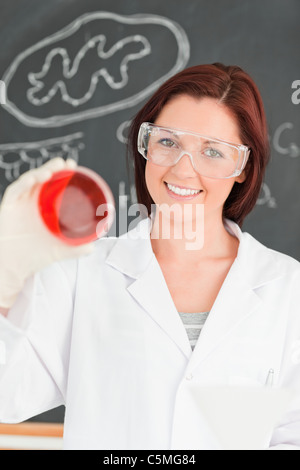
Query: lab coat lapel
[
  {"x": 235, "y": 302},
  {"x": 152, "y": 293},
  {"x": 133, "y": 255},
  {"x": 237, "y": 299},
  {"x": 254, "y": 267}
]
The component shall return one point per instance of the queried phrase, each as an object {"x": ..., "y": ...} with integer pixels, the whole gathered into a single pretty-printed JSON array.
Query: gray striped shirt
[{"x": 193, "y": 323}]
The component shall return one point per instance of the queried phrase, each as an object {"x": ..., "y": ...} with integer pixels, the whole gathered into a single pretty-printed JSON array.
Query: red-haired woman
[{"x": 138, "y": 336}]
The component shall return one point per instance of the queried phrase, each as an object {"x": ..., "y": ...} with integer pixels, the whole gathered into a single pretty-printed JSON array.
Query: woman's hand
[{"x": 26, "y": 245}]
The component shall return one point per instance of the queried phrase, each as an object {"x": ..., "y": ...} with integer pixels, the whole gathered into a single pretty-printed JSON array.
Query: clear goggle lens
[{"x": 210, "y": 157}]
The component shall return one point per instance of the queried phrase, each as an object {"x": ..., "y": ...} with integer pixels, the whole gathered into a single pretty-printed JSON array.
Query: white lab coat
[{"x": 102, "y": 336}]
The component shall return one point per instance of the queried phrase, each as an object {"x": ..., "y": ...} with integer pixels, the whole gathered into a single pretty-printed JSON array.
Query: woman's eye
[
  {"x": 167, "y": 143},
  {"x": 213, "y": 153}
]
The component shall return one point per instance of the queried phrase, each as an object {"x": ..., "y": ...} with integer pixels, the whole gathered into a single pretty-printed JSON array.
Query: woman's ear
[{"x": 241, "y": 178}]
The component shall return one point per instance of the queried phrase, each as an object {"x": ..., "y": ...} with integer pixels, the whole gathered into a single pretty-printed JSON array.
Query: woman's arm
[{"x": 35, "y": 343}]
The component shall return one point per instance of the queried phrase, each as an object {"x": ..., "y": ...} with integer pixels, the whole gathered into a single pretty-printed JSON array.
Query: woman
[{"x": 105, "y": 335}]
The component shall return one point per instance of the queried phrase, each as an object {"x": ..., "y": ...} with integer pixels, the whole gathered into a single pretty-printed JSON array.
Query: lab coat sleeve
[
  {"x": 35, "y": 343},
  {"x": 286, "y": 436}
]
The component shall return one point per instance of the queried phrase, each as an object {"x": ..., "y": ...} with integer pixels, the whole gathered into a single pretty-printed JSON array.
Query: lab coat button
[{"x": 189, "y": 377}]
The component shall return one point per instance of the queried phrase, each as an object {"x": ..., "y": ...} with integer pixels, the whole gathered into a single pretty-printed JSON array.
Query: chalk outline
[
  {"x": 266, "y": 198},
  {"x": 140, "y": 19},
  {"x": 293, "y": 150},
  {"x": 44, "y": 146},
  {"x": 70, "y": 72}
]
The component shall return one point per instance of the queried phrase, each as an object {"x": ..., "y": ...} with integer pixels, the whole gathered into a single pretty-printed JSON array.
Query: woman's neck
[{"x": 208, "y": 240}]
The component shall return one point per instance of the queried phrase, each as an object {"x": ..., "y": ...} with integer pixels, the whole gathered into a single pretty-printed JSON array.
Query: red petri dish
[{"x": 77, "y": 206}]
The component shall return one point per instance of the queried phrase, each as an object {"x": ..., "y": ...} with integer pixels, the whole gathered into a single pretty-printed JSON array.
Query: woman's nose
[{"x": 185, "y": 166}]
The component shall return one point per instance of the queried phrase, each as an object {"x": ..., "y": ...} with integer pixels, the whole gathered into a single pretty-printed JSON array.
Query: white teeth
[{"x": 183, "y": 192}]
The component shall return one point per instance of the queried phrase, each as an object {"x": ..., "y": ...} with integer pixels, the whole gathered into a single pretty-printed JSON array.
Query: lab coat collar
[
  {"x": 132, "y": 254},
  {"x": 258, "y": 263},
  {"x": 254, "y": 266}
]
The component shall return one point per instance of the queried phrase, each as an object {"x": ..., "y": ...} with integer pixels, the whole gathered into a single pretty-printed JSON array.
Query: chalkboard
[{"x": 77, "y": 72}]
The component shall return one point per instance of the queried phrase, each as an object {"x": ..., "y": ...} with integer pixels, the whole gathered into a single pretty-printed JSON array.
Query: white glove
[{"x": 26, "y": 245}]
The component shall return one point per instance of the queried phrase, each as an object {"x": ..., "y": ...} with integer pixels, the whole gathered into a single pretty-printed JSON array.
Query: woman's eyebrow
[
  {"x": 171, "y": 133},
  {"x": 179, "y": 134},
  {"x": 212, "y": 141},
  {"x": 207, "y": 141}
]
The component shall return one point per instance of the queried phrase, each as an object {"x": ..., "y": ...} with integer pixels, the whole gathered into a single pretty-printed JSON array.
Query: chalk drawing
[
  {"x": 266, "y": 198},
  {"x": 70, "y": 70},
  {"x": 34, "y": 154},
  {"x": 2, "y": 92},
  {"x": 292, "y": 150},
  {"x": 133, "y": 47},
  {"x": 121, "y": 132}
]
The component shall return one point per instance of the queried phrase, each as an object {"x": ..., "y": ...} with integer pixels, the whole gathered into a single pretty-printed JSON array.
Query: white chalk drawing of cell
[
  {"x": 70, "y": 70},
  {"x": 99, "y": 64},
  {"x": 28, "y": 155},
  {"x": 2, "y": 92}
]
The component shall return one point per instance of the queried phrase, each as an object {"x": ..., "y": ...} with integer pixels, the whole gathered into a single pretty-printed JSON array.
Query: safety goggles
[{"x": 210, "y": 157}]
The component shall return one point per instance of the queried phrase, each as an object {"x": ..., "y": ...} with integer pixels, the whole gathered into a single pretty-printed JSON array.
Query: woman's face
[{"x": 207, "y": 117}]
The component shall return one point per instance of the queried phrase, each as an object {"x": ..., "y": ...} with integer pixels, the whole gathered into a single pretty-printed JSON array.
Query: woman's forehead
[{"x": 204, "y": 116}]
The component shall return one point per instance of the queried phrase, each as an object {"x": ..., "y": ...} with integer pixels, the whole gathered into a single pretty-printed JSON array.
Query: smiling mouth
[{"x": 181, "y": 191}]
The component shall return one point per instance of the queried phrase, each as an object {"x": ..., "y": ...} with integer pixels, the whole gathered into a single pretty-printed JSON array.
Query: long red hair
[{"x": 237, "y": 91}]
